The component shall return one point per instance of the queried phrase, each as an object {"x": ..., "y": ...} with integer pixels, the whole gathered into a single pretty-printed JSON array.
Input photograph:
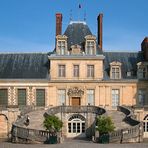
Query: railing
[
  {"x": 134, "y": 133},
  {"x": 26, "y": 134},
  {"x": 75, "y": 109},
  {"x": 20, "y": 132}
]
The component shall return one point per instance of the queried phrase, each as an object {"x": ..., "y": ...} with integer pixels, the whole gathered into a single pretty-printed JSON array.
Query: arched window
[{"x": 76, "y": 125}]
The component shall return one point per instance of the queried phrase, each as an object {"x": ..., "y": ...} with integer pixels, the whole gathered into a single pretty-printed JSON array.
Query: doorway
[
  {"x": 76, "y": 101},
  {"x": 76, "y": 126}
]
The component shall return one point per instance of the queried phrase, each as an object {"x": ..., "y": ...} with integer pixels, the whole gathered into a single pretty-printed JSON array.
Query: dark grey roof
[
  {"x": 76, "y": 33},
  {"x": 24, "y": 66},
  {"x": 129, "y": 62}
]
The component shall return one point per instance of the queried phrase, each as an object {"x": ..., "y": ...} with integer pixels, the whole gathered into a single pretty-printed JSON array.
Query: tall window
[
  {"x": 115, "y": 72},
  {"x": 142, "y": 73},
  {"x": 90, "y": 97},
  {"x": 90, "y": 70},
  {"x": 61, "y": 96},
  {"x": 115, "y": 97},
  {"x": 21, "y": 96},
  {"x": 62, "y": 47},
  {"x": 62, "y": 71},
  {"x": 3, "y": 97},
  {"x": 76, "y": 70},
  {"x": 90, "y": 47},
  {"x": 40, "y": 97},
  {"x": 141, "y": 97}
]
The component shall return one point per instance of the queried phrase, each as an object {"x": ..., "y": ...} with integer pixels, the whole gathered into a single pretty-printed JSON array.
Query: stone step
[{"x": 117, "y": 118}]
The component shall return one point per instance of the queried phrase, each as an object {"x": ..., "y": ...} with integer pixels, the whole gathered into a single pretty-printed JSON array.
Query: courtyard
[{"x": 74, "y": 144}]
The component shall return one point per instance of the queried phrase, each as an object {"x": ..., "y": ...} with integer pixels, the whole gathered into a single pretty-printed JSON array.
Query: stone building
[{"x": 76, "y": 73}]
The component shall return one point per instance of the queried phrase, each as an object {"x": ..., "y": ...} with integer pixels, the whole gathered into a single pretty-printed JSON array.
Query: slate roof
[
  {"x": 76, "y": 32},
  {"x": 24, "y": 66},
  {"x": 129, "y": 62}
]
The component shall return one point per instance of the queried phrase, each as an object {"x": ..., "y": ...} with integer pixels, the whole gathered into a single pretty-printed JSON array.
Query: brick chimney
[
  {"x": 100, "y": 32},
  {"x": 144, "y": 48},
  {"x": 58, "y": 24}
]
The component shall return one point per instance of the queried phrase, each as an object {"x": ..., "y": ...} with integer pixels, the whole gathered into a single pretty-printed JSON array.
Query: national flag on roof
[{"x": 80, "y": 6}]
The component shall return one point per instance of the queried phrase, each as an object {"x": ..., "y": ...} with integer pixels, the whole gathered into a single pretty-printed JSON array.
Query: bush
[
  {"x": 104, "y": 125},
  {"x": 52, "y": 123}
]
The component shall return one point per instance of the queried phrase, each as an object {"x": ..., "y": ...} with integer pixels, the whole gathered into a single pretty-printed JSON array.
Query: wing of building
[{"x": 77, "y": 73}]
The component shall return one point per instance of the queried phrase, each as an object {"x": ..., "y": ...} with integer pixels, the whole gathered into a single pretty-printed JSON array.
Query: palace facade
[{"x": 77, "y": 73}]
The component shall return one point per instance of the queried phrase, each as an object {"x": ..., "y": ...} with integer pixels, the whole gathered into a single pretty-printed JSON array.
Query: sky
[{"x": 29, "y": 25}]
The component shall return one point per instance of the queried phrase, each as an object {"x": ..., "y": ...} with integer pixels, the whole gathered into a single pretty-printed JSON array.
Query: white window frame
[
  {"x": 61, "y": 96},
  {"x": 62, "y": 47},
  {"x": 141, "y": 97},
  {"x": 115, "y": 97},
  {"x": 115, "y": 70},
  {"x": 90, "y": 96},
  {"x": 90, "y": 71},
  {"x": 75, "y": 70},
  {"x": 62, "y": 70}
]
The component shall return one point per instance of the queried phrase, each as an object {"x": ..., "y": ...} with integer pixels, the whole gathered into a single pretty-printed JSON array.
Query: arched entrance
[
  {"x": 3, "y": 126},
  {"x": 76, "y": 126},
  {"x": 145, "y": 126}
]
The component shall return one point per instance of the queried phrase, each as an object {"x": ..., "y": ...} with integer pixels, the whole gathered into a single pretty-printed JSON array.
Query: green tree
[
  {"x": 52, "y": 123},
  {"x": 104, "y": 125}
]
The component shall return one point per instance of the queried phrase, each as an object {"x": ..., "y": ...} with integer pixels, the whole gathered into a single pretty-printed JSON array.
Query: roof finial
[
  {"x": 70, "y": 14},
  {"x": 85, "y": 16}
]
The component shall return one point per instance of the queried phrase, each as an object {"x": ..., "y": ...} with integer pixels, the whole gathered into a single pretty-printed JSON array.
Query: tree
[
  {"x": 104, "y": 125},
  {"x": 52, "y": 123}
]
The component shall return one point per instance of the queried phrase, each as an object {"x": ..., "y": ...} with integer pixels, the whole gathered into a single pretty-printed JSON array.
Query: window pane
[
  {"x": 40, "y": 97},
  {"x": 61, "y": 96},
  {"x": 74, "y": 127},
  {"x": 90, "y": 71},
  {"x": 69, "y": 127},
  {"x": 141, "y": 97},
  {"x": 115, "y": 97},
  {"x": 61, "y": 70},
  {"x": 83, "y": 127},
  {"x": 90, "y": 47},
  {"x": 90, "y": 96},
  {"x": 21, "y": 96},
  {"x": 3, "y": 97},
  {"x": 76, "y": 71},
  {"x": 115, "y": 72}
]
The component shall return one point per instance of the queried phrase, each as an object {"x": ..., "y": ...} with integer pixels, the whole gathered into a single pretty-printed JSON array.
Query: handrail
[
  {"x": 75, "y": 109},
  {"x": 135, "y": 132}
]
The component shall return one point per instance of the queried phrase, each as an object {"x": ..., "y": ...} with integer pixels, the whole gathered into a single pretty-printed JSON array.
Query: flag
[{"x": 79, "y": 5}]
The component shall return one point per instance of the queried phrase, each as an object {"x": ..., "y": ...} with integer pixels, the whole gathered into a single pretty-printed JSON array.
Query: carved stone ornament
[{"x": 74, "y": 92}]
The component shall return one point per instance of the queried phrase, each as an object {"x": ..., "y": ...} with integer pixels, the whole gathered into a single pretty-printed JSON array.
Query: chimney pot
[
  {"x": 58, "y": 24},
  {"x": 100, "y": 30},
  {"x": 144, "y": 48}
]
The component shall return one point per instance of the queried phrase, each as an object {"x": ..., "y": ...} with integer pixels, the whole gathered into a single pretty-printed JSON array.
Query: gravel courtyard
[{"x": 81, "y": 144}]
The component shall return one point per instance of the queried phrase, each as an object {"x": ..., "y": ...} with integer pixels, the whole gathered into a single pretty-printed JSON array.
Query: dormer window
[
  {"x": 115, "y": 70},
  {"x": 61, "y": 45},
  {"x": 90, "y": 45},
  {"x": 142, "y": 71}
]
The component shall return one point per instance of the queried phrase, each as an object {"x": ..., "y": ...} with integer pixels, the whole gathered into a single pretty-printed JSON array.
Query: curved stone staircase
[{"x": 37, "y": 118}]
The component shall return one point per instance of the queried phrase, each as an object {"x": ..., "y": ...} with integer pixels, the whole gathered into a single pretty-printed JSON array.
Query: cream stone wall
[
  {"x": 103, "y": 93},
  {"x": 98, "y": 66}
]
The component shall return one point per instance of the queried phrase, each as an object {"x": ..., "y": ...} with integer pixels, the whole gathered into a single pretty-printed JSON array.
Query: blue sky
[{"x": 29, "y": 25}]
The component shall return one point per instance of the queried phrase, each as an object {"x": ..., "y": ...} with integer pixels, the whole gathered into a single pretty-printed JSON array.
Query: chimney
[
  {"x": 58, "y": 24},
  {"x": 100, "y": 28},
  {"x": 144, "y": 48}
]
